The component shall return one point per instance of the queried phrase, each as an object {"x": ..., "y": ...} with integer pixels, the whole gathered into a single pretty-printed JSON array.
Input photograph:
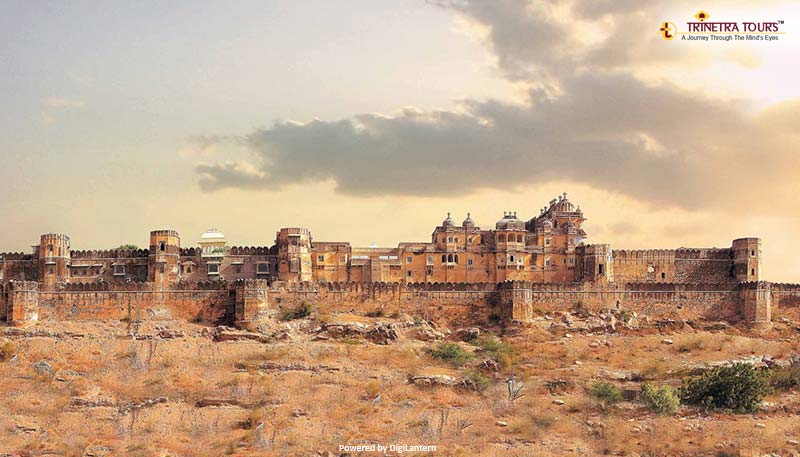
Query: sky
[{"x": 367, "y": 121}]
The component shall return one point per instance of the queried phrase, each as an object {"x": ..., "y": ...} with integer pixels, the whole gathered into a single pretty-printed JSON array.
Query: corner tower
[
  {"x": 747, "y": 259},
  {"x": 294, "y": 254},
  {"x": 54, "y": 259},
  {"x": 162, "y": 264}
]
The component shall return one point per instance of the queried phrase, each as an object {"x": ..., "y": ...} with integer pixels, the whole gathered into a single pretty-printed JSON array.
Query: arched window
[
  {"x": 449, "y": 257},
  {"x": 520, "y": 239},
  {"x": 449, "y": 239},
  {"x": 501, "y": 238},
  {"x": 444, "y": 258},
  {"x": 456, "y": 258},
  {"x": 511, "y": 259}
]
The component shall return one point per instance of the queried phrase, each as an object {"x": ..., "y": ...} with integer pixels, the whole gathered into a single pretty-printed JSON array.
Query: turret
[
  {"x": 294, "y": 254},
  {"x": 162, "y": 264},
  {"x": 747, "y": 259},
  {"x": 54, "y": 259}
]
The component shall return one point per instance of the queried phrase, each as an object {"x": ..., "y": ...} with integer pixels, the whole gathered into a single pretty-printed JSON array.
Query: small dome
[
  {"x": 448, "y": 222},
  {"x": 563, "y": 204},
  {"x": 468, "y": 222},
  {"x": 510, "y": 222}
]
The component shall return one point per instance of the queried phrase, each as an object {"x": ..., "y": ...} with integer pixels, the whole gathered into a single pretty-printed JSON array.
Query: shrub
[
  {"x": 784, "y": 378},
  {"x": 606, "y": 392},
  {"x": 477, "y": 380},
  {"x": 662, "y": 400},
  {"x": 304, "y": 310},
  {"x": 451, "y": 352},
  {"x": 7, "y": 351},
  {"x": 496, "y": 350},
  {"x": 375, "y": 313},
  {"x": 738, "y": 388}
]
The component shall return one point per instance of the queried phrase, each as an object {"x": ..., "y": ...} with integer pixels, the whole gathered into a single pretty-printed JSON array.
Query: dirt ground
[{"x": 181, "y": 389}]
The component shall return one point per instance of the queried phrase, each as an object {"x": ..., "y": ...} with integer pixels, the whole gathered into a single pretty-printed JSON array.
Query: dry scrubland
[{"x": 89, "y": 388}]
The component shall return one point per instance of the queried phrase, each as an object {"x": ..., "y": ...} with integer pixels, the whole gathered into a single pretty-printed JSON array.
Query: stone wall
[
  {"x": 673, "y": 265},
  {"x": 208, "y": 301},
  {"x": 711, "y": 301}
]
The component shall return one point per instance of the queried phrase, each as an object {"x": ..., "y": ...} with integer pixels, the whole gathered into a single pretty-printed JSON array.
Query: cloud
[{"x": 588, "y": 118}]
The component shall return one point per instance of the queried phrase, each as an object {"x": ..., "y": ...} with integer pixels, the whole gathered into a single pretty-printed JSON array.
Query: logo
[
  {"x": 668, "y": 30},
  {"x": 702, "y": 29}
]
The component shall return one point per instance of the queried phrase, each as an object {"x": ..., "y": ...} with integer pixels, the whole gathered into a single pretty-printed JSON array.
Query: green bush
[
  {"x": 607, "y": 392},
  {"x": 738, "y": 388},
  {"x": 496, "y": 350},
  {"x": 477, "y": 380},
  {"x": 662, "y": 400},
  {"x": 451, "y": 352},
  {"x": 304, "y": 310}
]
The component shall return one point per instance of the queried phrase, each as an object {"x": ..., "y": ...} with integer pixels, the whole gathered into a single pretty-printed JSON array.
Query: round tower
[
  {"x": 747, "y": 259},
  {"x": 294, "y": 254},
  {"x": 165, "y": 249},
  {"x": 54, "y": 259}
]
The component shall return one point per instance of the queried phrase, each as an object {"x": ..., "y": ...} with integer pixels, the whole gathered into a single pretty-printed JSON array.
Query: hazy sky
[{"x": 367, "y": 121}]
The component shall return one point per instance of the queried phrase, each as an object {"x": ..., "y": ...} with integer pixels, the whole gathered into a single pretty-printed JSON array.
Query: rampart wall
[
  {"x": 253, "y": 299},
  {"x": 673, "y": 265}
]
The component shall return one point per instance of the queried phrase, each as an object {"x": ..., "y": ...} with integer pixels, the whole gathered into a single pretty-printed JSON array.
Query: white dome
[{"x": 212, "y": 234}]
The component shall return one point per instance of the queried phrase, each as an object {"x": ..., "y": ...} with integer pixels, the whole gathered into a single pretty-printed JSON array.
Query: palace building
[{"x": 550, "y": 247}]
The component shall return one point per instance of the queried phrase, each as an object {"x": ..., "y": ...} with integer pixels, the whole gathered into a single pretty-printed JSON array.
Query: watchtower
[
  {"x": 162, "y": 264},
  {"x": 747, "y": 259},
  {"x": 54, "y": 259}
]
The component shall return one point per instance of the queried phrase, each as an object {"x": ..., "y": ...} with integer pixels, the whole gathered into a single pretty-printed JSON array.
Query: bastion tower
[
  {"x": 162, "y": 264},
  {"x": 747, "y": 259},
  {"x": 54, "y": 259},
  {"x": 294, "y": 254}
]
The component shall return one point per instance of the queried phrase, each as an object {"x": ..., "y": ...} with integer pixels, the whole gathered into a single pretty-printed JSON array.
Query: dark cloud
[{"x": 604, "y": 127}]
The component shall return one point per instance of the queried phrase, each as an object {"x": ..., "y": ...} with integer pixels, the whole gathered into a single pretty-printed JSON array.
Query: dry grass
[{"x": 365, "y": 395}]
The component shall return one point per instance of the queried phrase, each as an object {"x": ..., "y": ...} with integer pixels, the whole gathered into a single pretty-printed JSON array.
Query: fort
[{"x": 465, "y": 272}]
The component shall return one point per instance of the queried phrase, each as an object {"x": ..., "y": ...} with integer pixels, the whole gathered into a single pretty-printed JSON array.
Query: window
[
  {"x": 449, "y": 239},
  {"x": 547, "y": 262},
  {"x": 469, "y": 262},
  {"x": 294, "y": 266},
  {"x": 444, "y": 258},
  {"x": 213, "y": 268},
  {"x": 547, "y": 242},
  {"x": 119, "y": 270},
  {"x": 455, "y": 258},
  {"x": 752, "y": 253},
  {"x": 408, "y": 259},
  {"x": 409, "y": 273},
  {"x": 572, "y": 261},
  {"x": 752, "y": 272},
  {"x": 469, "y": 240},
  {"x": 565, "y": 261},
  {"x": 511, "y": 259},
  {"x": 430, "y": 260},
  {"x": 501, "y": 238},
  {"x": 320, "y": 258},
  {"x": 663, "y": 275},
  {"x": 449, "y": 258},
  {"x": 455, "y": 240},
  {"x": 162, "y": 246},
  {"x": 520, "y": 239},
  {"x": 262, "y": 268},
  {"x": 600, "y": 268},
  {"x": 50, "y": 248}
]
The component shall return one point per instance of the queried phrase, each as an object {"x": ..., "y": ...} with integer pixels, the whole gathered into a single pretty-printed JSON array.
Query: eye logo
[
  {"x": 701, "y": 16},
  {"x": 668, "y": 30}
]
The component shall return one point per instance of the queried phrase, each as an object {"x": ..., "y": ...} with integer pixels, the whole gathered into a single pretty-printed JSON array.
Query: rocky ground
[{"x": 308, "y": 386}]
